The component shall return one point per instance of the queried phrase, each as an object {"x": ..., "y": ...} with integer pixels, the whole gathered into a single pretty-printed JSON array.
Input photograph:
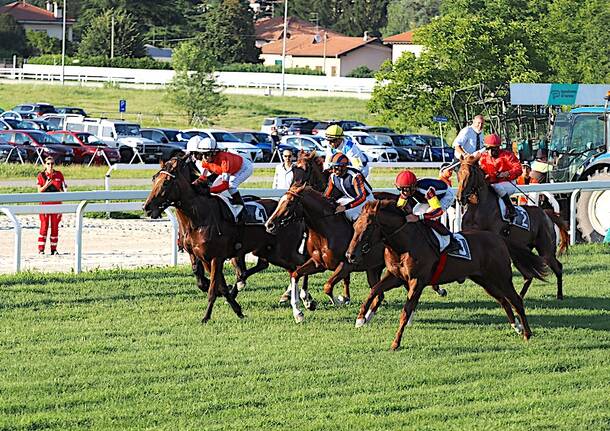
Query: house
[
  {"x": 34, "y": 18},
  {"x": 403, "y": 42},
  {"x": 335, "y": 55},
  {"x": 268, "y": 30}
]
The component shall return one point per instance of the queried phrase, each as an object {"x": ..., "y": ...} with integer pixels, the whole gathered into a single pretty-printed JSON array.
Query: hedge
[{"x": 149, "y": 63}]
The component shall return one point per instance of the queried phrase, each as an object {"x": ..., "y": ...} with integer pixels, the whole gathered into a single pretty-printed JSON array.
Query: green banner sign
[{"x": 563, "y": 94}]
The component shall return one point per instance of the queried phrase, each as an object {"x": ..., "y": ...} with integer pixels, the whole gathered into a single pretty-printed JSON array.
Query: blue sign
[
  {"x": 440, "y": 119},
  {"x": 122, "y": 105}
]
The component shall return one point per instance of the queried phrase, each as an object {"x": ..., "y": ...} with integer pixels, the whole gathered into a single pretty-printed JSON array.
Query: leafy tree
[
  {"x": 405, "y": 15},
  {"x": 361, "y": 72},
  {"x": 226, "y": 33},
  {"x": 40, "y": 43},
  {"x": 12, "y": 37},
  {"x": 194, "y": 87},
  {"x": 128, "y": 41}
]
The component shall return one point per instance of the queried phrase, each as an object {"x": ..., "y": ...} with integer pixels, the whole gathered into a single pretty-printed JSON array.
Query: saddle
[{"x": 253, "y": 213}]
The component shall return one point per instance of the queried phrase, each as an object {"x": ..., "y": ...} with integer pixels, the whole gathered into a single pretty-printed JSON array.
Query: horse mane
[{"x": 298, "y": 190}]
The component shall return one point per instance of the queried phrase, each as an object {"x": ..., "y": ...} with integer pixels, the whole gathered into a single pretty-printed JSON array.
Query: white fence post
[
  {"x": 175, "y": 227},
  {"x": 78, "y": 241},
  {"x": 573, "y": 198},
  {"x": 17, "y": 246}
]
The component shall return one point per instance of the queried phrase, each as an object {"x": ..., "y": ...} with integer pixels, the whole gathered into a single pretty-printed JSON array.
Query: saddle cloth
[
  {"x": 522, "y": 219},
  {"x": 255, "y": 213},
  {"x": 462, "y": 253}
]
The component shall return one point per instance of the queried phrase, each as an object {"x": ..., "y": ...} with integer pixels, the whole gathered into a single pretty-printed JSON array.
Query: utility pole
[
  {"x": 111, "y": 37},
  {"x": 284, "y": 46},
  {"x": 63, "y": 45}
]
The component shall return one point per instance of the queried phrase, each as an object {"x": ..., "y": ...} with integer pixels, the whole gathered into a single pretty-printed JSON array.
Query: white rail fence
[
  {"x": 155, "y": 77},
  {"x": 12, "y": 205}
]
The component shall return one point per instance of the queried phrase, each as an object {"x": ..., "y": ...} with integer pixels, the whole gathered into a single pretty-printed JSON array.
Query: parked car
[
  {"x": 70, "y": 110},
  {"x": 227, "y": 141},
  {"x": 305, "y": 127},
  {"x": 165, "y": 136},
  {"x": 13, "y": 124},
  {"x": 347, "y": 125},
  {"x": 85, "y": 146},
  {"x": 407, "y": 148},
  {"x": 33, "y": 110},
  {"x": 374, "y": 129},
  {"x": 304, "y": 142},
  {"x": 434, "y": 148},
  {"x": 281, "y": 123},
  {"x": 32, "y": 140},
  {"x": 37, "y": 124},
  {"x": 125, "y": 136},
  {"x": 58, "y": 120},
  {"x": 373, "y": 150},
  {"x": 11, "y": 152},
  {"x": 11, "y": 115},
  {"x": 260, "y": 140}
]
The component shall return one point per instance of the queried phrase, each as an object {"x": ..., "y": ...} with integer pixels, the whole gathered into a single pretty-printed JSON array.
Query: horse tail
[
  {"x": 564, "y": 241},
  {"x": 530, "y": 265}
]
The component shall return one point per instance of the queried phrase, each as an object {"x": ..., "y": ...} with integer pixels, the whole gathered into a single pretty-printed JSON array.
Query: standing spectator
[
  {"x": 541, "y": 166},
  {"x": 470, "y": 139},
  {"x": 283, "y": 172},
  {"x": 523, "y": 180},
  {"x": 275, "y": 140},
  {"x": 50, "y": 180}
]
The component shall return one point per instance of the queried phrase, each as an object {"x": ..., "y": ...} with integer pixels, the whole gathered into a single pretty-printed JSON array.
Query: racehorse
[
  {"x": 327, "y": 241},
  {"x": 308, "y": 169},
  {"x": 210, "y": 234},
  {"x": 483, "y": 213},
  {"x": 411, "y": 255}
]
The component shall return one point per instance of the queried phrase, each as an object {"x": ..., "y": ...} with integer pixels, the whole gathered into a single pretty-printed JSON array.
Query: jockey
[
  {"x": 232, "y": 169},
  {"x": 351, "y": 184},
  {"x": 339, "y": 143},
  {"x": 501, "y": 169},
  {"x": 433, "y": 193}
]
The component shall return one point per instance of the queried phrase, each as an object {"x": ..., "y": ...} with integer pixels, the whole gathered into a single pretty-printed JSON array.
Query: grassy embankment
[{"x": 126, "y": 349}]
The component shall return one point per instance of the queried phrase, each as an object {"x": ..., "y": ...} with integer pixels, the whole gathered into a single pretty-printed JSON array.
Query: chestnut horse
[
  {"x": 411, "y": 255},
  {"x": 483, "y": 213},
  {"x": 210, "y": 236}
]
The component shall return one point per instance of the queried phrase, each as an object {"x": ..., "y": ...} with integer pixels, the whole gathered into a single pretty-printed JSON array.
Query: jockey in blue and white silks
[{"x": 339, "y": 143}]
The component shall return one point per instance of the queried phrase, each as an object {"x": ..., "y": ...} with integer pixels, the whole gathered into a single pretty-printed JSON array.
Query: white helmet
[{"x": 197, "y": 144}]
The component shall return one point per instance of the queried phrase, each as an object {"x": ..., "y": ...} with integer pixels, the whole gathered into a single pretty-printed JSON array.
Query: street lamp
[
  {"x": 63, "y": 45},
  {"x": 284, "y": 46}
]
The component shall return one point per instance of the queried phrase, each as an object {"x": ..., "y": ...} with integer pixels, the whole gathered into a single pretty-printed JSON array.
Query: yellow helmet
[{"x": 334, "y": 131}]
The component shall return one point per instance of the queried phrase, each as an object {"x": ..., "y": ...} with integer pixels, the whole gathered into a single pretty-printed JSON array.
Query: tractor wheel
[{"x": 593, "y": 210}]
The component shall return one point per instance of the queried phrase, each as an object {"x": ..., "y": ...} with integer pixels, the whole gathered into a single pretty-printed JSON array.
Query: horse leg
[
  {"x": 261, "y": 265},
  {"x": 309, "y": 267},
  {"x": 557, "y": 269},
  {"x": 197, "y": 266},
  {"x": 498, "y": 297},
  {"x": 517, "y": 303},
  {"x": 415, "y": 290},
  {"x": 439, "y": 290},
  {"x": 526, "y": 285},
  {"x": 223, "y": 289},
  {"x": 545, "y": 245},
  {"x": 340, "y": 273},
  {"x": 213, "y": 290},
  {"x": 366, "y": 313}
]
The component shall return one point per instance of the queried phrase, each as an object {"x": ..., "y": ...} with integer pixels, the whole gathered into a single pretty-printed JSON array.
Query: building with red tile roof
[
  {"x": 271, "y": 29},
  {"x": 49, "y": 20},
  {"x": 403, "y": 42}
]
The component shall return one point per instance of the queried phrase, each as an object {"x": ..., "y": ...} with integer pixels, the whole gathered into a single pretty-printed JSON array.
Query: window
[
  {"x": 146, "y": 134},
  {"x": 55, "y": 122},
  {"x": 588, "y": 133},
  {"x": 268, "y": 122},
  {"x": 278, "y": 62},
  {"x": 67, "y": 138},
  {"x": 75, "y": 127},
  {"x": 333, "y": 71},
  {"x": 224, "y": 137},
  {"x": 107, "y": 132},
  {"x": 93, "y": 129},
  {"x": 127, "y": 129}
]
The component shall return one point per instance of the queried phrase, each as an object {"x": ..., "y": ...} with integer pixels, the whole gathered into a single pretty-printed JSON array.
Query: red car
[
  {"x": 86, "y": 146},
  {"x": 37, "y": 140}
]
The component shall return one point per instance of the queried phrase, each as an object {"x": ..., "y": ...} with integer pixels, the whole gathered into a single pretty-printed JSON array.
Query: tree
[
  {"x": 128, "y": 41},
  {"x": 12, "y": 37},
  {"x": 40, "y": 43},
  {"x": 194, "y": 87},
  {"x": 225, "y": 33},
  {"x": 460, "y": 51},
  {"x": 405, "y": 15}
]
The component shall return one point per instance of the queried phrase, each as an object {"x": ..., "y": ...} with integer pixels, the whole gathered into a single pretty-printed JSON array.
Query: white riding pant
[
  {"x": 505, "y": 188},
  {"x": 353, "y": 213},
  {"x": 240, "y": 176}
]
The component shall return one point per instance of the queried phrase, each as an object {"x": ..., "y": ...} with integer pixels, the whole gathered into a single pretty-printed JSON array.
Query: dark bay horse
[
  {"x": 328, "y": 238},
  {"x": 210, "y": 235},
  {"x": 483, "y": 213},
  {"x": 411, "y": 255}
]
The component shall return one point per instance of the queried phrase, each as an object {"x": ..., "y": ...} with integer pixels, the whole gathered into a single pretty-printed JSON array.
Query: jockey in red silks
[
  {"x": 232, "y": 169},
  {"x": 437, "y": 195},
  {"x": 501, "y": 169},
  {"x": 351, "y": 184}
]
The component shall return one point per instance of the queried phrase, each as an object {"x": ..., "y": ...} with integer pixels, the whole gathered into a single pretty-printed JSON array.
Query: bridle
[
  {"x": 293, "y": 217},
  {"x": 166, "y": 203},
  {"x": 470, "y": 190},
  {"x": 365, "y": 240}
]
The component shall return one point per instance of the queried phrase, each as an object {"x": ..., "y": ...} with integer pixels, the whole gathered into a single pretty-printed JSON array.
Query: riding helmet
[
  {"x": 339, "y": 159},
  {"x": 405, "y": 179},
  {"x": 492, "y": 140},
  {"x": 333, "y": 132}
]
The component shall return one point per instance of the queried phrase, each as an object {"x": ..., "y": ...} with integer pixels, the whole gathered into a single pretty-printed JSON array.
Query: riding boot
[
  {"x": 454, "y": 245},
  {"x": 510, "y": 208}
]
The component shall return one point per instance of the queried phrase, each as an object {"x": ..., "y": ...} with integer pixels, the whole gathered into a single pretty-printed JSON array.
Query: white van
[{"x": 125, "y": 136}]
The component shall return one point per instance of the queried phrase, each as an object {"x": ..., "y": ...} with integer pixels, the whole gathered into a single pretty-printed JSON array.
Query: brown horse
[
  {"x": 328, "y": 238},
  {"x": 411, "y": 255},
  {"x": 483, "y": 213},
  {"x": 210, "y": 236}
]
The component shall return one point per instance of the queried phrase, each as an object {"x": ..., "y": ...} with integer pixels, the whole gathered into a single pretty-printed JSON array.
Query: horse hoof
[
  {"x": 343, "y": 300},
  {"x": 369, "y": 316},
  {"x": 284, "y": 299},
  {"x": 204, "y": 321},
  {"x": 442, "y": 292},
  {"x": 310, "y": 305},
  {"x": 299, "y": 317},
  {"x": 395, "y": 346},
  {"x": 360, "y": 323},
  {"x": 240, "y": 285}
]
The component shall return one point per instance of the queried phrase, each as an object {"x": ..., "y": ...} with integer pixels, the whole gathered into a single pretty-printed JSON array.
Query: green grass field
[{"x": 126, "y": 350}]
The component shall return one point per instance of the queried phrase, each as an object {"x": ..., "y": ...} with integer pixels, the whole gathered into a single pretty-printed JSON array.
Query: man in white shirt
[
  {"x": 283, "y": 172},
  {"x": 470, "y": 139}
]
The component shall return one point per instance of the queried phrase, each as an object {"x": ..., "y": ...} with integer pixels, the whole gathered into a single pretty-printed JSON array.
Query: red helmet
[
  {"x": 339, "y": 159},
  {"x": 405, "y": 179},
  {"x": 492, "y": 140}
]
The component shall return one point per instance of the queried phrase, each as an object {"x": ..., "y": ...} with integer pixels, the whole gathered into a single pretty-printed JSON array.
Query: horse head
[
  {"x": 360, "y": 244},
  {"x": 308, "y": 170},
  {"x": 171, "y": 184},
  {"x": 288, "y": 210},
  {"x": 470, "y": 180}
]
